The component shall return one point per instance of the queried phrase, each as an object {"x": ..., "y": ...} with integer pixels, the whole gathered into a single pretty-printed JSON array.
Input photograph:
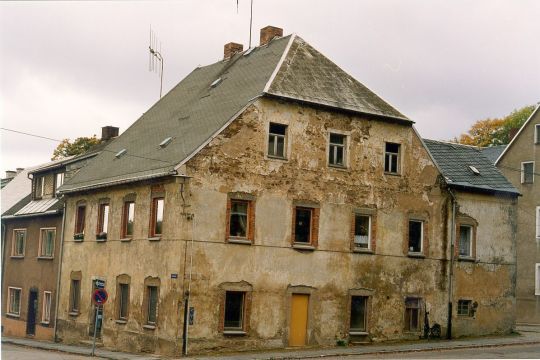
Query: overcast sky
[{"x": 69, "y": 68}]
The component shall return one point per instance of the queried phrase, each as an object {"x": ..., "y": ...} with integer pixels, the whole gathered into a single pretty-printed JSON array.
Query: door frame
[
  {"x": 299, "y": 290},
  {"x": 32, "y": 290}
]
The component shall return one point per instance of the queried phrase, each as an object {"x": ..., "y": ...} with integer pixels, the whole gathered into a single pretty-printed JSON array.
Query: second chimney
[
  {"x": 108, "y": 132},
  {"x": 232, "y": 48},
  {"x": 268, "y": 33}
]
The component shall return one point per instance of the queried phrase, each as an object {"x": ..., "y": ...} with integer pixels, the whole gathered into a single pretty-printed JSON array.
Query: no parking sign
[{"x": 100, "y": 296}]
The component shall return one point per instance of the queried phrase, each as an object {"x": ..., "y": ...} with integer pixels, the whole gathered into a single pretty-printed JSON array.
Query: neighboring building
[
  {"x": 287, "y": 205},
  {"x": 485, "y": 262},
  {"x": 32, "y": 230},
  {"x": 519, "y": 163},
  {"x": 10, "y": 175}
]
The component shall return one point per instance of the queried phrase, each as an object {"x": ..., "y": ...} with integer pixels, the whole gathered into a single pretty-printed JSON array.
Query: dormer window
[
  {"x": 39, "y": 187},
  {"x": 58, "y": 181}
]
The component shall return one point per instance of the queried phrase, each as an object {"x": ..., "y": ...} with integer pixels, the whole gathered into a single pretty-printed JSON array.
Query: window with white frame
[
  {"x": 527, "y": 172},
  {"x": 337, "y": 150},
  {"x": 58, "y": 181},
  {"x": 392, "y": 158},
  {"x": 39, "y": 187},
  {"x": 538, "y": 222},
  {"x": 537, "y": 134},
  {"x": 19, "y": 242},
  {"x": 465, "y": 240},
  {"x": 277, "y": 141},
  {"x": 46, "y": 242},
  {"x": 46, "y": 313},
  {"x": 362, "y": 231},
  {"x": 416, "y": 236},
  {"x": 14, "y": 301},
  {"x": 537, "y": 279}
]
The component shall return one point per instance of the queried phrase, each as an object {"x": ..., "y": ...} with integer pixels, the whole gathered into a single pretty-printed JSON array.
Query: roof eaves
[
  {"x": 482, "y": 189},
  {"x": 44, "y": 213},
  {"x": 517, "y": 135}
]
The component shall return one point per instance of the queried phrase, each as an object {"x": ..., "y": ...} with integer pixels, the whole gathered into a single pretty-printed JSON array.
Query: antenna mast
[
  {"x": 154, "y": 57},
  {"x": 250, "y": 20}
]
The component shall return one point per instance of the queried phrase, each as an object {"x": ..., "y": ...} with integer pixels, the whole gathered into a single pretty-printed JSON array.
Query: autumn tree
[
  {"x": 79, "y": 146},
  {"x": 492, "y": 132}
]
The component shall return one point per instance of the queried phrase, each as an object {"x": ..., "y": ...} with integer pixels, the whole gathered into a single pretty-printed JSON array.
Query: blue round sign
[{"x": 100, "y": 296}]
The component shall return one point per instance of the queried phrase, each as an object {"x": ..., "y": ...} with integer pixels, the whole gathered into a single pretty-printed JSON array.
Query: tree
[
  {"x": 79, "y": 146},
  {"x": 492, "y": 132}
]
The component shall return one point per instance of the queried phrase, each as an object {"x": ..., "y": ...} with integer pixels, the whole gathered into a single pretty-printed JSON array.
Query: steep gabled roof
[
  {"x": 493, "y": 152},
  {"x": 210, "y": 97},
  {"x": 465, "y": 167}
]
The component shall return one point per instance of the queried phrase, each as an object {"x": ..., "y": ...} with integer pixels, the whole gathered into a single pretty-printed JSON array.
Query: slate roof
[
  {"x": 493, "y": 152},
  {"x": 16, "y": 190},
  {"x": 454, "y": 161},
  {"x": 194, "y": 111}
]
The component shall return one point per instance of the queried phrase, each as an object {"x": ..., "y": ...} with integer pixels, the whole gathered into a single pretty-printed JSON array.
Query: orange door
[{"x": 299, "y": 317}]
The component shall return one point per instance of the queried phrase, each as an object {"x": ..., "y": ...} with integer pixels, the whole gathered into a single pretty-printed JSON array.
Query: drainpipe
[
  {"x": 3, "y": 251},
  {"x": 451, "y": 271},
  {"x": 59, "y": 273}
]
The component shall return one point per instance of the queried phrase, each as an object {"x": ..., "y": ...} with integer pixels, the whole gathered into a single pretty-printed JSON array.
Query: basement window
[
  {"x": 416, "y": 236},
  {"x": 358, "y": 314},
  {"x": 465, "y": 308},
  {"x": 527, "y": 172},
  {"x": 234, "y": 310},
  {"x": 392, "y": 158},
  {"x": 412, "y": 314}
]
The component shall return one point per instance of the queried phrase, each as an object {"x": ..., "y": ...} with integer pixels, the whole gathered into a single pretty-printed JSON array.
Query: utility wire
[{"x": 111, "y": 151}]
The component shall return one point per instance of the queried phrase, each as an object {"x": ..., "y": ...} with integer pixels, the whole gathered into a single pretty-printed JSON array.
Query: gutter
[
  {"x": 56, "y": 305},
  {"x": 451, "y": 265},
  {"x": 51, "y": 212}
]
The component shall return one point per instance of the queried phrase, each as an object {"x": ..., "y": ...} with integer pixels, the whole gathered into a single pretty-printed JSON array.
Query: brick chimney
[
  {"x": 268, "y": 33},
  {"x": 108, "y": 132},
  {"x": 232, "y": 48}
]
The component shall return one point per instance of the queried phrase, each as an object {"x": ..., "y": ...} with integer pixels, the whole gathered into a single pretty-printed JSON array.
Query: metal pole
[
  {"x": 451, "y": 270},
  {"x": 56, "y": 305},
  {"x": 95, "y": 331},
  {"x": 250, "y": 24}
]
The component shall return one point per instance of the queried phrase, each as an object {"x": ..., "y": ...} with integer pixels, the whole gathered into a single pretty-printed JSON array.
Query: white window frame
[
  {"x": 523, "y": 172},
  {"x": 421, "y": 237},
  {"x": 14, "y": 243},
  {"x": 471, "y": 229},
  {"x": 537, "y": 279},
  {"x": 10, "y": 289},
  {"x": 40, "y": 249},
  {"x": 398, "y": 159},
  {"x": 538, "y": 222},
  {"x": 369, "y": 231},
  {"x": 537, "y": 133},
  {"x": 285, "y": 141},
  {"x": 46, "y": 309},
  {"x": 345, "y": 147}
]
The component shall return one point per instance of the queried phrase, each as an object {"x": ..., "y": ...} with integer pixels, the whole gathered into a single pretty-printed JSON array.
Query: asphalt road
[{"x": 14, "y": 352}]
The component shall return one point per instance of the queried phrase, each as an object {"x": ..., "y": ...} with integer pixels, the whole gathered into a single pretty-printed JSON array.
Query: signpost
[{"x": 99, "y": 297}]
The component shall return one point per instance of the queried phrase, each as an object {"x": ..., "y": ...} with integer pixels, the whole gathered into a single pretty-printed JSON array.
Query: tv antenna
[
  {"x": 155, "y": 60},
  {"x": 250, "y": 20}
]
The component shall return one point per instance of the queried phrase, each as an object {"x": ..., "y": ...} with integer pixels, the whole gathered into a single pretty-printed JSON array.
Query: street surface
[{"x": 14, "y": 352}]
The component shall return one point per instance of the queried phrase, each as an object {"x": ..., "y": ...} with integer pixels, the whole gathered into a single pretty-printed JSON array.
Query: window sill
[
  {"x": 121, "y": 322},
  {"x": 358, "y": 333},
  {"x": 45, "y": 323},
  {"x": 234, "y": 332},
  {"x": 78, "y": 240},
  {"x": 363, "y": 251},
  {"x": 416, "y": 255},
  {"x": 73, "y": 313},
  {"x": 17, "y": 257},
  {"x": 45, "y": 257},
  {"x": 101, "y": 240},
  {"x": 13, "y": 315},
  {"x": 239, "y": 241},
  {"x": 392, "y": 174},
  {"x": 338, "y": 167},
  {"x": 466, "y": 259},
  {"x": 308, "y": 247},
  {"x": 149, "y": 327},
  {"x": 154, "y": 238},
  {"x": 126, "y": 239},
  {"x": 271, "y": 157}
]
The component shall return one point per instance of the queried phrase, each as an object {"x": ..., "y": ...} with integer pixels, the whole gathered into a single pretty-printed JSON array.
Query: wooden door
[
  {"x": 32, "y": 312},
  {"x": 299, "y": 318}
]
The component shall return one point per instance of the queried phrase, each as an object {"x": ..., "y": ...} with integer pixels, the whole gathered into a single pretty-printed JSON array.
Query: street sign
[
  {"x": 100, "y": 296},
  {"x": 100, "y": 284}
]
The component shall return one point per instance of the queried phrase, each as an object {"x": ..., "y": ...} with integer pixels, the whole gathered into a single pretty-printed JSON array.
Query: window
[
  {"x": 337, "y": 150},
  {"x": 362, "y": 231},
  {"x": 39, "y": 189},
  {"x": 537, "y": 280},
  {"x": 238, "y": 222},
  {"x": 103, "y": 221},
  {"x": 59, "y": 180},
  {"x": 391, "y": 158},
  {"x": 412, "y": 314},
  {"x": 156, "y": 226},
  {"x": 151, "y": 314},
  {"x": 75, "y": 295},
  {"x": 416, "y": 234},
  {"x": 123, "y": 301},
  {"x": 46, "y": 313},
  {"x": 537, "y": 134},
  {"x": 19, "y": 242},
  {"x": 527, "y": 172},
  {"x": 234, "y": 310},
  {"x": 277, "y": 140},
  {"x": 358, "y": 313},
  {"x": 128, "y": 217},
  {"x": 465, "y": 308},
  {"x": 302, "y": 225},
  {"x": 465, "y": 241},
  {"x": 46, "y": 243},
  {"x": 14, "y": 301},
  {"x": 538, "y": 222},
  {"x": 80, "y": 218}
]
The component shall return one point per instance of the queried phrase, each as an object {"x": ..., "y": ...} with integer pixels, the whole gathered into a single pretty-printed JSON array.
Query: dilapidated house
[{"x": 271, "y": 200}]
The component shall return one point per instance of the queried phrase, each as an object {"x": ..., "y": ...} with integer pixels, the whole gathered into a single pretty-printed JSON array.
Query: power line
[{"x": 25, "y": 133}]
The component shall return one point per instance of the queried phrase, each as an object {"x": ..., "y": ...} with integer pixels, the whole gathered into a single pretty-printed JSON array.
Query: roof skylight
[
  {"x": 216, "y": 82},
  {"x": 165, "y": 142},
  {"x": 120, "y": 153},
  {"x": 474, "y": 170}
]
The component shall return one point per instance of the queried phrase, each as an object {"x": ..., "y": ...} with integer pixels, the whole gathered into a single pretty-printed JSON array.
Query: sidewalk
[{"x": 527, "y": 335}]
